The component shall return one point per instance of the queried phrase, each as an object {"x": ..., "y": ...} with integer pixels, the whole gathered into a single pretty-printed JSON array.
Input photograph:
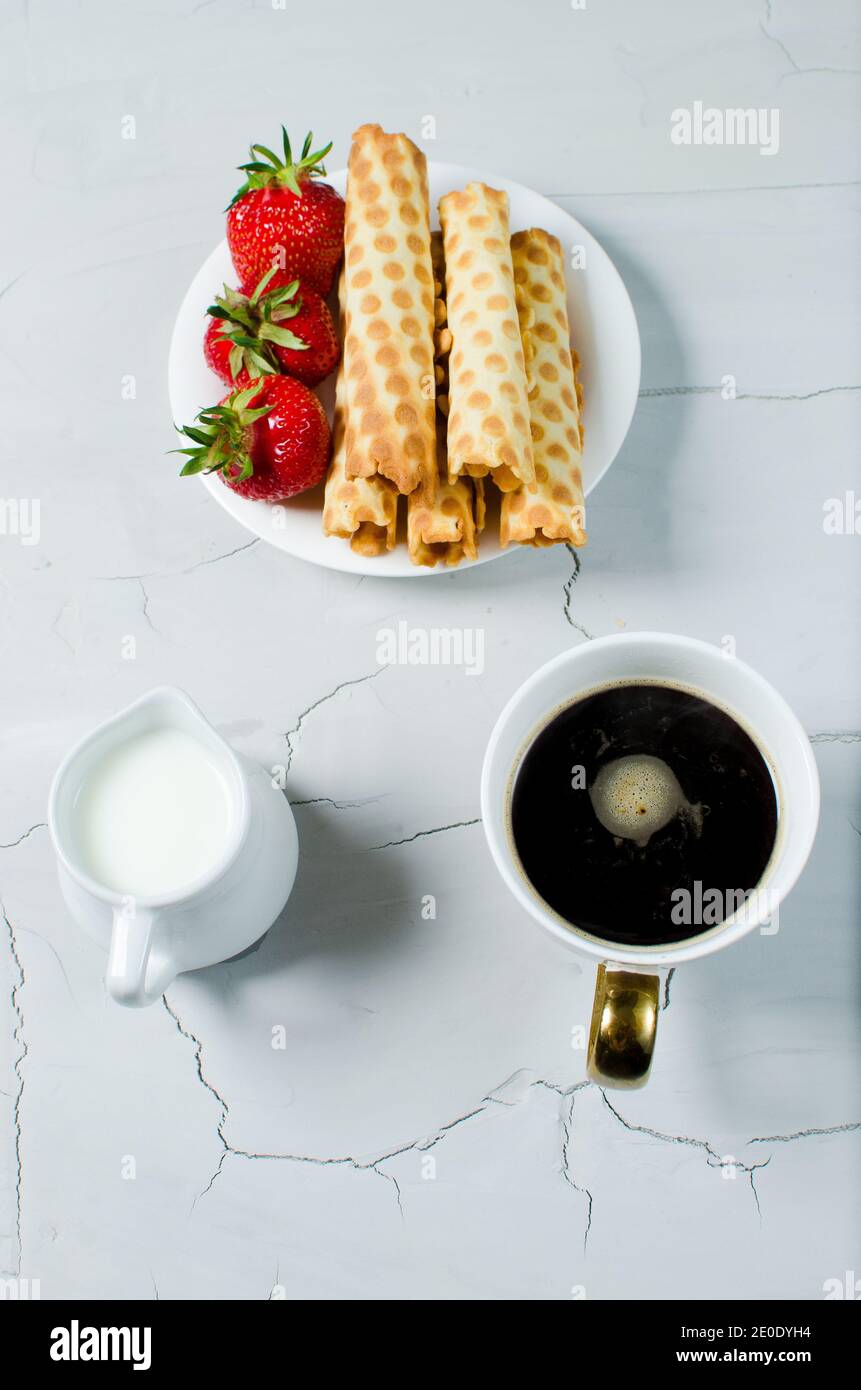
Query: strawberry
[
  {"x": 247, "y": 337},
  {"x": 282, "y": 217},
  {"x": 218, "y": 350},
  {"x": 269, "y": 440}
]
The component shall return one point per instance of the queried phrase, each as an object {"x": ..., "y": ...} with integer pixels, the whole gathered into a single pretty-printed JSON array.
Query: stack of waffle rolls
[{"x": 456, "y": 369}]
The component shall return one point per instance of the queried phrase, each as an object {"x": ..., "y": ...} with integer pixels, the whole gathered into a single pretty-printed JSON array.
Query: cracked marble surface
[{"x": 426, "y": 1129}]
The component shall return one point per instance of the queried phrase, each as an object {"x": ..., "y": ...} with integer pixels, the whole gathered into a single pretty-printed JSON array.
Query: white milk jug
[{"x": 174, "y": 852}]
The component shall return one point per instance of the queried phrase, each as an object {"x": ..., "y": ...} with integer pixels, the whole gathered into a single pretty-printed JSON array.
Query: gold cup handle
[{"x": 622, "y": 1034}]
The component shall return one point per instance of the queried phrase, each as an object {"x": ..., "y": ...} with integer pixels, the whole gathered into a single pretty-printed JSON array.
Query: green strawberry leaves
[
  {"x": 272, "y": 333},
  {"x": 253, "y": 323},
  {"x": 221, "y": 437},
  {"x": 273, "y": 171}
]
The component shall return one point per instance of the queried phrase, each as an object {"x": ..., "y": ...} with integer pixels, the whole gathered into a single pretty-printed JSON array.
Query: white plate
[{"x": 604, "y": 333}]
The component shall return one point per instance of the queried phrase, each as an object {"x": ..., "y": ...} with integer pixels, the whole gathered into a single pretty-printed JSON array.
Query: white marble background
[{"x": 306, "y": 1171}]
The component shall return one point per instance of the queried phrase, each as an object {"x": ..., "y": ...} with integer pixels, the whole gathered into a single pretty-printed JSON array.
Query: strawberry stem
[
  {"x": 221, "y": 436},
  {"x": 253, "y": 323},
  {"x": 272, "y": 171}
]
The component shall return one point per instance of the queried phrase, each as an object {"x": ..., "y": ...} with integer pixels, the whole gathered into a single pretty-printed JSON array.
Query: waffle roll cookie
[
  {"x": 391, "y": 426},
  {"x": 443, "y": 521},
  {"x": 363, "y": 511},
  {"x": 553, "y": 508},
  {"x": 488, "y": 422}
]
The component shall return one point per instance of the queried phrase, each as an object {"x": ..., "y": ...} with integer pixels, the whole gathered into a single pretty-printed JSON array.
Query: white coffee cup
[{"x": 625, "y": 1012}]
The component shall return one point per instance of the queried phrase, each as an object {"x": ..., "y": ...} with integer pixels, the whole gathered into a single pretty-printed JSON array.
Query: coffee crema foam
[{"x": 636, "y": 796}]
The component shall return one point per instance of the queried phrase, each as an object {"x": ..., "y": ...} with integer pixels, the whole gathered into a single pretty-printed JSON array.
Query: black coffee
[{"x": 643, "y": 814}]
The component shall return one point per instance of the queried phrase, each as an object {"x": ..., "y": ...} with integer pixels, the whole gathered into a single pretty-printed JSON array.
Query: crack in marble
[
  {"x": 40, "y": 825},
  {"x": 772, "y": 38},
  {"x": 566, "y": 1125},
  {"x": 427, "y": 1142},
  {"x": 834, "y": 72},
  {"x": 390, "y": 1177},
  {"x": 55, "y": 953},
  {"x": 836, "y": 736},
  {"x": 797, "y": 69},
  {"x": 216, "y": 559},
  {"x": 291, "y": 733},
  {"x": 18, "y": 1037},
  {"x": 216, "y": 1174},
  {"x": 567, "y": 591},
  {"x": 666, "y": 1138},
  {"x": 204, "y": 1080},
  {"x": 339, "y": 1161},
  {"x": 655, "y": 392},
  {"x": 848, "y": 1128},
  {"x": 374, "y": 1165},
  {"x": 750, "y": 1172},
  {"x": 713, "y": 1159},
  {"x": 147, "y": 619},
  {"x": 173, "y": 574},
  {"x": 567, "y": 1174},
  {"x": 338, "y": 805},
  {"x": 420, "y": 834},
  {"x": 563, "y": 1091},
  {"x": 70, "y": 606},
  {"x": 794, "y": 396},
  {"x": 11, "y": 283},
  {"x": 228, "y": 1148}
]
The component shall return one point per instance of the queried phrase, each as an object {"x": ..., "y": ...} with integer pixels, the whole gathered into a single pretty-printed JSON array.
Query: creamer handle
[{"x": 129, "y": 960}]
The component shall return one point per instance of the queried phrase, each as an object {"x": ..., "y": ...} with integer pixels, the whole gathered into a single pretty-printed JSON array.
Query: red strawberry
[
  {"x": 282, "y": 217},
  {"x": 247, "y": 336},
  {"x": 269, "y": 441}
]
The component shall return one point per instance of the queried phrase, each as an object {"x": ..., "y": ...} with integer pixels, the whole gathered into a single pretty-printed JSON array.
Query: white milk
[{"x": 153, "y": 815}]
